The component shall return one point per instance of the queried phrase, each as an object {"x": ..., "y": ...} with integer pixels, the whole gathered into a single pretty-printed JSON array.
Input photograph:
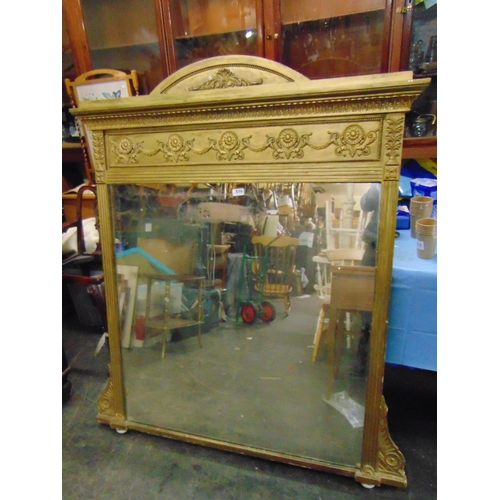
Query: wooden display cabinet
[
  {"x": 421, "y": 58},
  {"x": 324, "y": 40}
]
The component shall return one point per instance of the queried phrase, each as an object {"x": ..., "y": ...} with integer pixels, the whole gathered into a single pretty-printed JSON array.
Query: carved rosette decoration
[
  {"x": 391, "y": 173},
  {"x": 126, "y": 150},
  {"x": 223, "y": 79},
  {"x": 99, "y": 177},
  {"x": 354, "y": 141},
  {"x": 228, "y": 147},
  {"x": 175, "y": 149},
  {"x": 287, "y": 144}
]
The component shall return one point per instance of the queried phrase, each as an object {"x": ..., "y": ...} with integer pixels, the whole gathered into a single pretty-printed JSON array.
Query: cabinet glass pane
[
  {"x": 122, "y": 35},
  {"x": 211, "y": 346},
  {"x": 423, "y": 51},
  {"x": 68, "y": 67},
  {"x": 67, "y": 59},
  {"x": 421, "y": 121},
  {"x": 212, "y": 28},
  {"x": 330, "y": 39}
]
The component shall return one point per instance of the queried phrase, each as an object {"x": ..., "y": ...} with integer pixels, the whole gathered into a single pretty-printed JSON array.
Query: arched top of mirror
[{"x": 227, "y": 72}]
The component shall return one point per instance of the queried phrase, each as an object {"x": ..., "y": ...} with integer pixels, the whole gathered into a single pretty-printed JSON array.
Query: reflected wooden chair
[
  {"x": 352, "y": 289},
  {"x": 94, "y": 85},
  {"x": 274, "y": 266},
  {"x": 337, "y": 257}
]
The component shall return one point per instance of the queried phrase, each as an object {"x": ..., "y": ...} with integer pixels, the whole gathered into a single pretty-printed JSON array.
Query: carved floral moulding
[
  {"x": 394, "y": 140},
  {"x": 224, "y": 78},
  {"x": 340, "y": 142}
]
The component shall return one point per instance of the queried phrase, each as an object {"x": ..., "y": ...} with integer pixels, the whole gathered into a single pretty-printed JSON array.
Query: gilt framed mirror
[{"x": 247, "y": 218}]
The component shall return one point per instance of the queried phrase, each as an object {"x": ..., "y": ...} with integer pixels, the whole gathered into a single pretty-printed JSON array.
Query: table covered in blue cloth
[{"x": 412, "y": 332}]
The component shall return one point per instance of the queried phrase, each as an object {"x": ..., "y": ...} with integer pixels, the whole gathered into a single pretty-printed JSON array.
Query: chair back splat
[{"x": 275, "y": 266}]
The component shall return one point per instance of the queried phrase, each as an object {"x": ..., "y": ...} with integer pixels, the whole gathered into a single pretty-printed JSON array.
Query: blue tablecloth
[{"x": 412, "y": 332}]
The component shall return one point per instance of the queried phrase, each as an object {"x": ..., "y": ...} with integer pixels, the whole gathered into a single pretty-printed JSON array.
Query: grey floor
[{"x": 102, "y": 464}]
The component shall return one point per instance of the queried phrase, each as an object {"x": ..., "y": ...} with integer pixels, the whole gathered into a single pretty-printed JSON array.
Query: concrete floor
[{"x": 102, "y": 464}]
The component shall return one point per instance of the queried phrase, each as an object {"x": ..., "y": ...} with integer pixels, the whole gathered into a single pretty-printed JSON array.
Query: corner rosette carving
[
  {"x": 99, "y": 177},
  {"x": 391, "y": 173},
  {"x": 126, "y": 150},
  {"x": 223, "y": 79}
]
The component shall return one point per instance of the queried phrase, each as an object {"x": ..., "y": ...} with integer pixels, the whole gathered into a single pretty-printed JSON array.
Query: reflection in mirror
[{"x": 245, "y": 311}]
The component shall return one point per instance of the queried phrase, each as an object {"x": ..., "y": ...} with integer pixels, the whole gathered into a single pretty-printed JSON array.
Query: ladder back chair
[{"x": 275, "y": 266}]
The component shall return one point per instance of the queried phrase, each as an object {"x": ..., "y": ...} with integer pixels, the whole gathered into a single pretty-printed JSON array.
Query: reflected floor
[{"x": 254, "y": 385}]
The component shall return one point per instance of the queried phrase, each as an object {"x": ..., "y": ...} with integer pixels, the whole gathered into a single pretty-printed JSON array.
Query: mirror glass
[{"x": 225, "y": 298}]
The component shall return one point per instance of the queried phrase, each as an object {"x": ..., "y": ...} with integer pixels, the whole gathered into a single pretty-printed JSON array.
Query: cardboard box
[{"x": 179, "y": 258}]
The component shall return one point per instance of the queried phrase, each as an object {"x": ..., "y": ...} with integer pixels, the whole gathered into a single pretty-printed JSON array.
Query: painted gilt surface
[
  {"x": 334, "y": 141},
  {"x": 246, "y": 119}
]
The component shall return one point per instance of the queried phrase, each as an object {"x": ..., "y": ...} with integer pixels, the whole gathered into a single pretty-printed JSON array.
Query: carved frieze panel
[{"x": 299, "y": 143}]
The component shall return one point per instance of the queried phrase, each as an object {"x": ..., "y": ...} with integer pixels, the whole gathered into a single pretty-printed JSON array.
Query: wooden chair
[
  {"x": 337, "y": 257},
  {"x": 94, "y": 85},
  {"x": 78, "y": 224},
  {"x": 83, "y": 266},
  {"x": 274, "y": 266},
  {"x": 353, "y": 289}
]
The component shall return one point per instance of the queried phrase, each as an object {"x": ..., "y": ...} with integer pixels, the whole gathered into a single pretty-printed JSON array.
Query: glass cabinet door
[
  {"x": 123, "y": 35},
  {"x": 423, "y": 49},
  {"x": 421, "y": 121},
  {"x": 330, "y": 39},
  {"x": 68, "y": 66},
  {"x": 203, "y": 29}
]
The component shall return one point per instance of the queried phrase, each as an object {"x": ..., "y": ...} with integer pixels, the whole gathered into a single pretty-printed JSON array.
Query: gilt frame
[{"x": 248, "y": 119}]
